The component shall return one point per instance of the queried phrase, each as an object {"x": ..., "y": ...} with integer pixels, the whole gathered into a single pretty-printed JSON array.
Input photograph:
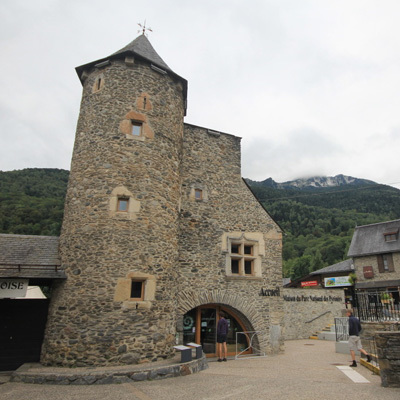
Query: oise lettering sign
[{"x": 10, "y": 288}]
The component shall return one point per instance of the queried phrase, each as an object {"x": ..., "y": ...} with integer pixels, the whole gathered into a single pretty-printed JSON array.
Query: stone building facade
[
  {"x": 160, "y": 232},
  {"x": 375, "y": 251}
]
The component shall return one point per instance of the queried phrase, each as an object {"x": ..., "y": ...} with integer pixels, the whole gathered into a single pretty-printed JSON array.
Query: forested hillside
[
  {"x": 319, "y": 222},
  {"x": 32, "y": 201}
]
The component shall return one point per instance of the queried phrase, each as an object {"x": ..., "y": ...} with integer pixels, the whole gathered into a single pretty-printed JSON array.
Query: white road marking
[{"x": 353, "y": 375}]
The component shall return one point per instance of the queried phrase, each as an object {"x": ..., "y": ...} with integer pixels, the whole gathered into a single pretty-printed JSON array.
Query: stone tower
[{"x": 119, "y": 236}]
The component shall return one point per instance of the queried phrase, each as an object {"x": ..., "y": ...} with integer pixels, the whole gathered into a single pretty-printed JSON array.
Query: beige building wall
[{"x": 308, "y": 311}]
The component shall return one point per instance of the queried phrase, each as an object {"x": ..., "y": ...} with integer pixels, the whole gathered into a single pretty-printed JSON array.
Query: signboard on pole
[
  {"x": 337, "y": 281},
  {"x": 11, "y": 288}
]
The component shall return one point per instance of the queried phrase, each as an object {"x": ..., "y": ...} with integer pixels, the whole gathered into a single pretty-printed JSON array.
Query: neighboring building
[
  {"x": 375, "y": 250},
  {"x": 25, "y": 262},
  {"x": 322, "y": 277},
  {"x": 334, "y": 276},
  {"x": 160, "y": 232}
]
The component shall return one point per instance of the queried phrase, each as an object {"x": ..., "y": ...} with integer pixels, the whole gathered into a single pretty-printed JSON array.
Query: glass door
[
  {"x": 208, "y": 330},
  {"x": 200, "y": 326},
  {"x": 189, "y": 327}
]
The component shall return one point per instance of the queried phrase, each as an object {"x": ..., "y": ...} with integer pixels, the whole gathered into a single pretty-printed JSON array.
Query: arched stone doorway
[{"x": 200, "y": 326}]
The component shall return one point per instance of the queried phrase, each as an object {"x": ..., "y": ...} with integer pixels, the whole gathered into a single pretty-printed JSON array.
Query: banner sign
[
  {"x": 10, "y": 288},
  {"x": 337, "y": 281},
  {"x": 309, "y": 283}
]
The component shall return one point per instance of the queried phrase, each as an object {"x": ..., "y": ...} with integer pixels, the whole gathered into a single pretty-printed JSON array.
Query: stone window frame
[
  {"x": 122, "y": 193},
  {"x": 198, "y": 194},
  {"x": 198, "y": 188},
  {"x": 123, "y": 290},
  {"x": 98, "y": 83},
  {"x": 240, "y": 260},
  {"x": 132, "y": 119},
  {"x": 255, "y": 240}
]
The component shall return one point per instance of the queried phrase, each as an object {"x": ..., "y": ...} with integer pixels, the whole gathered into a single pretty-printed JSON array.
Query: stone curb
[
  {"x": 76, "y": 377},
  {"x": 370, "y": 366}
]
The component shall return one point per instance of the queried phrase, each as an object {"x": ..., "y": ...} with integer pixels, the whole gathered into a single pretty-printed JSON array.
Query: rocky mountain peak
[{"x": 317, "y": 182}]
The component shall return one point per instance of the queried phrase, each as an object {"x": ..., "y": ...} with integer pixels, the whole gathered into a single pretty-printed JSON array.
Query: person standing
[
  {"x": 222, "y": 333},
  {"x": 354, "y": 338}
]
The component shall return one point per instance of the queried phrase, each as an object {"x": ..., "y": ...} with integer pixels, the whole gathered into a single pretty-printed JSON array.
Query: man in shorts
[
  {"x": 354, "y": 338},
  {"x": 222, "y": 333}
]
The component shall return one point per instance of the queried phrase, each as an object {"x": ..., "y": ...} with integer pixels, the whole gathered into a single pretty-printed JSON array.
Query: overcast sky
[{"x": 311, "y": 86}]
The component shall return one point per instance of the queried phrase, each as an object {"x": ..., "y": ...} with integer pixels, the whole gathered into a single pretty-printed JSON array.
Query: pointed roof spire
[{"x": 142, "y": 47}]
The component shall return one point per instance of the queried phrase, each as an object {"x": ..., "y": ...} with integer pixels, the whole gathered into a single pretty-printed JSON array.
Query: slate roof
[
  {"x": 370, "y": 239},
  {"x": 142, "y": 46},
  {"x": 343, "y": 266},
  {"x": 29, "y": 250},
  {"x": 29, "y": 256}
]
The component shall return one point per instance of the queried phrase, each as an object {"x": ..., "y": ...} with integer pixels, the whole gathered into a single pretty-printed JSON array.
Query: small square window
[
  {"x": 122, "y": 204},
  {"x": 136, "y": 128},
  {"x": 390, "y": 237},
  {"x": 137, "y": 290},
  {"x": 198, "y": 194}
]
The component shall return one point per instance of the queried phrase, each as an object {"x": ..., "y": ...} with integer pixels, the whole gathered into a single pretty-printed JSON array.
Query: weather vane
[{"x": 143, "y": 28}]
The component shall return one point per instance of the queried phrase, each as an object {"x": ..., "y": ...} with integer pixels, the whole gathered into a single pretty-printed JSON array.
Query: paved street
[{"x": 308, "y": 370}]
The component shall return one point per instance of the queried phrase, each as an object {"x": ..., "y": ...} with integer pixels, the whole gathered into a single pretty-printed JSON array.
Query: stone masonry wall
[
  {"x": 211, "y": 163},
  {"x": 178, "y": 244},
  {"x": 388, "y": 346},
  {"x": 360, "y": 262},
  {"x": 302, "y": 306},
  {"x": 89, "y": 323},
  {"x": 369, "y": 330}
]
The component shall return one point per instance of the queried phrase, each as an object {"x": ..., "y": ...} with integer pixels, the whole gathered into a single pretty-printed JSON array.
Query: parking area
[{"x": 308, "y": 370}]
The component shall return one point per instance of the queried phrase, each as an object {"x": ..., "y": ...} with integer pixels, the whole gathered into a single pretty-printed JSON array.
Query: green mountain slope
[
  {"x": 319, "y": 222},
  {"x": 32, "y": 201}
]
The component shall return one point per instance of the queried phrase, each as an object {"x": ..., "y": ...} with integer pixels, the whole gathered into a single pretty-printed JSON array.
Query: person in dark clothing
[
  {"x": 354, "y": 338},
  {"x": 222, "y": 333}
]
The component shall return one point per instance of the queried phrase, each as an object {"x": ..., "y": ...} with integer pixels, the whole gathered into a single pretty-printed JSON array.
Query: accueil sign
[{"x": 10, "y": 288}]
